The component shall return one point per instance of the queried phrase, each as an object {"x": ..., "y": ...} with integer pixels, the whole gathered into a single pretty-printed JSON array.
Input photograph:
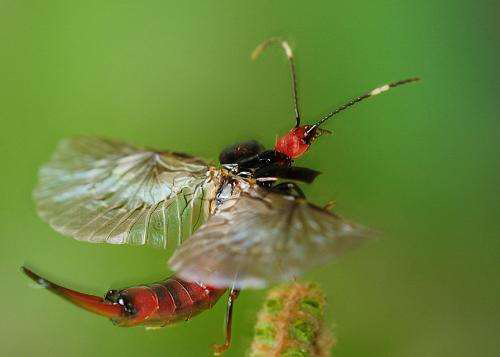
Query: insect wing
[
  {"x": 99, "y": 190},
  {"x": 256, "y": 240}
]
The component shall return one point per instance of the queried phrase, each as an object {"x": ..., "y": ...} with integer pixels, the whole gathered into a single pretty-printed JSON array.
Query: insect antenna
[
  {"x": 350, "y": 103},
  {"x": 289, "y": 54}
]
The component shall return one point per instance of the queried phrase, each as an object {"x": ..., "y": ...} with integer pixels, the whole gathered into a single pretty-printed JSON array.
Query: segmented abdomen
[{"x": 180, "y": 300}]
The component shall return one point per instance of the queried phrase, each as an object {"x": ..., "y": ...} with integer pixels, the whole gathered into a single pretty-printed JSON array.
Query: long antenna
[
  {"x": 350, "y": 103},
  {"x": 289, "y": 54}
]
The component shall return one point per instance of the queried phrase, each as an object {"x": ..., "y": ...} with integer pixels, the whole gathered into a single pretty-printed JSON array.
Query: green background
[{"x": 419, "y": 164}]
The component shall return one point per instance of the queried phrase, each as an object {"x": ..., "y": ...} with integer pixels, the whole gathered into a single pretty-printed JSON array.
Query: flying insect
[{"x": 242, "y": 224}]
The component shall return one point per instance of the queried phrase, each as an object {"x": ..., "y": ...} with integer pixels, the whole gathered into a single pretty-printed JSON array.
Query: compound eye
[
  {"x": 310, "y": 136},
  {"x": 111, "y": 296}
]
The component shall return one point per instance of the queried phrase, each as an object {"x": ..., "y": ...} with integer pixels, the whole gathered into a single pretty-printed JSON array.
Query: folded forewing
[
  {"x": 254, "y": 240},
  {"x": 99, "y": 190}
]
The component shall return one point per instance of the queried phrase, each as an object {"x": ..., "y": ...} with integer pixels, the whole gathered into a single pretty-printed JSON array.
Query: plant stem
[{"x": 291, "y": 323}]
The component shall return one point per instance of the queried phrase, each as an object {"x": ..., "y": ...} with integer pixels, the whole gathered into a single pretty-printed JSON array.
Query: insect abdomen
[{"x": 180, "y": 300}]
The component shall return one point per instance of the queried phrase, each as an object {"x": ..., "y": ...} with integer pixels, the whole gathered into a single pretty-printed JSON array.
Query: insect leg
[
  {"x": 219, "y": 349},
  {"x": 294, "y": 173},
  {"x": 289, "y": 188},
  {"x": 289, "y": 54}
]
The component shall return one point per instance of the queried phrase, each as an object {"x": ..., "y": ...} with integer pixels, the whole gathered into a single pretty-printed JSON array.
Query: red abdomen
[
  {"x": 168, "y": 301},
  {"x": 156, "y": 304}
]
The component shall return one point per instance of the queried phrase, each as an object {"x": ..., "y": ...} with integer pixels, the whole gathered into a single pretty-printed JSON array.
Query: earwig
[{"x": 150, "y": 305}]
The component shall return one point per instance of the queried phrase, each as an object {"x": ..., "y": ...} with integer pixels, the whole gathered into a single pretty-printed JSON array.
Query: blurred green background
[{"x": 419, "y": 164}]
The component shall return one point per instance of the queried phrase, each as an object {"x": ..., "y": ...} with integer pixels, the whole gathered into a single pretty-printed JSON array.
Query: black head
[{"x": 121, "y": 298}]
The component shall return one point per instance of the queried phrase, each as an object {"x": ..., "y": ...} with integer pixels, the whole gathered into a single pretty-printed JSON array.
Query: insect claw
[
  {"x": 329, "y": 205},
  {"x": 220, "y": 349}
]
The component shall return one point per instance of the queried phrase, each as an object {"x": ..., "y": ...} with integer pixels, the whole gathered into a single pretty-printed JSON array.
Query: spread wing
[
  {"x": 100, "y": 190},
  {"x": 255, "y": 240}
]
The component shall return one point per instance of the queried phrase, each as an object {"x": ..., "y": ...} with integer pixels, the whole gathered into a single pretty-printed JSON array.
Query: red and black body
[
  {"x": 152, "y": 305},
  {"x": 249, "y": 159}
]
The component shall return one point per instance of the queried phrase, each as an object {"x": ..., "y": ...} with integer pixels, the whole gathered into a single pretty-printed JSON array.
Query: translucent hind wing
[
  {"x": 254, "y": 240},
  {"x": 99, "y": 190}
]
